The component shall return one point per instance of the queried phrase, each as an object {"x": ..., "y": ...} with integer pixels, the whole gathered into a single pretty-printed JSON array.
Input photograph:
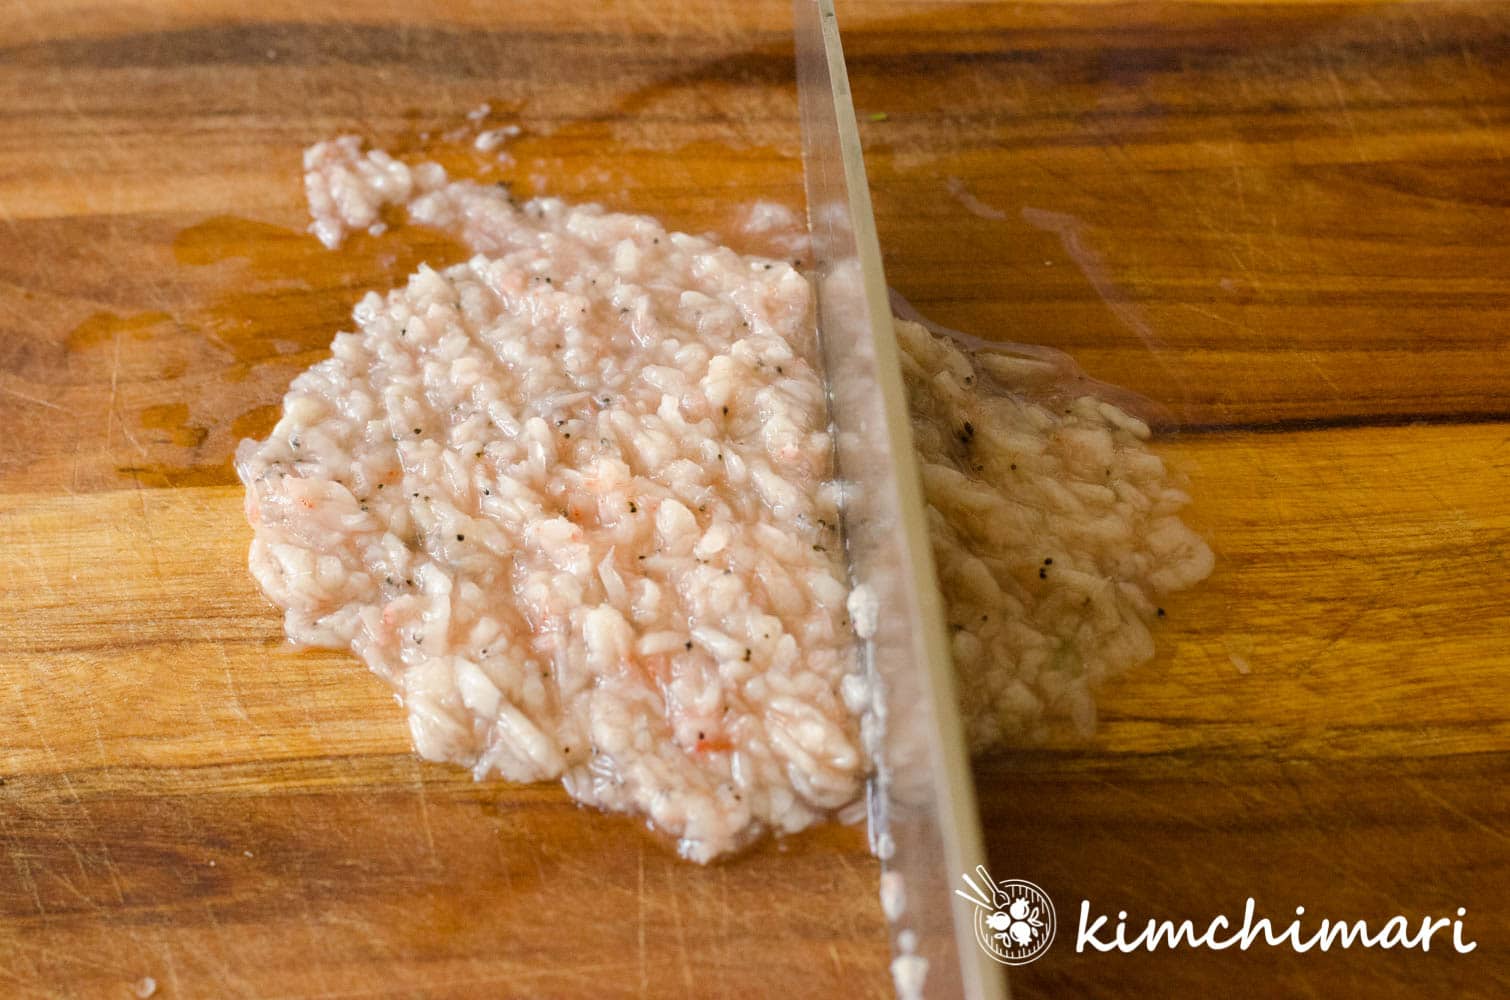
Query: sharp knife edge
[{"x": 923, "y": 814}]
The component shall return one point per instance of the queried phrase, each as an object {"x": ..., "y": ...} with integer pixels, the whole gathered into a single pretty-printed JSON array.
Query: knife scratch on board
[{"x": 30, "y": 399}]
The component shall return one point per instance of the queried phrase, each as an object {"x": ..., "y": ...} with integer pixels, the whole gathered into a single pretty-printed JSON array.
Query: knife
[{"x": 921, "y": 801}]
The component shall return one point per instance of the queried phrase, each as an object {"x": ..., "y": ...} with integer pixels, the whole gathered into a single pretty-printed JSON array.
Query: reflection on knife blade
[
  {"x": 923, "y": 819},
  {"x": 1054, "y": 528}
]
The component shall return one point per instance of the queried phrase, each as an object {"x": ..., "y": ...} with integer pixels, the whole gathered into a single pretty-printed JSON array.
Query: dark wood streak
[
  {"x": 1302, "y": 424},
  {"x": 427, "y": 49}
]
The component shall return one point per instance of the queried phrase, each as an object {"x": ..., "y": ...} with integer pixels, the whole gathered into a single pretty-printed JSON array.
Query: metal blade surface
[{"x": 923, "y": 819}]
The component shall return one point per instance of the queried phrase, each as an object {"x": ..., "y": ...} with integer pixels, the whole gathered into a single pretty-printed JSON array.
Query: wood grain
[
  {"x": 182, "y": 796},
  {"x": 1286, "y": 222}
]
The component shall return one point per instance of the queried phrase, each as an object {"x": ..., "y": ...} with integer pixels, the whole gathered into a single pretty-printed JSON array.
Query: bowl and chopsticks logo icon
[{"x": 1014, "y": 920}]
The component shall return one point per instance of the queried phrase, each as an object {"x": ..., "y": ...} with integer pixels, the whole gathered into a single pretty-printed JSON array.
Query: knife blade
[{"x": 921, "y": 800}]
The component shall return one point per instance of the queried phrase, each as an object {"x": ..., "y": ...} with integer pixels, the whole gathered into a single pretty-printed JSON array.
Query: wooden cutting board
[{"x": 1286, "y": 222}]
